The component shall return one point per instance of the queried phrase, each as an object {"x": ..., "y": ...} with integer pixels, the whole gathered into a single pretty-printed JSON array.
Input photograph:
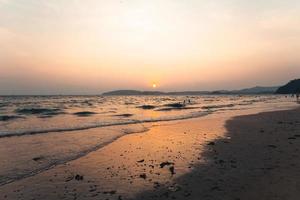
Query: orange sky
[{"x": 74, "y": 47}]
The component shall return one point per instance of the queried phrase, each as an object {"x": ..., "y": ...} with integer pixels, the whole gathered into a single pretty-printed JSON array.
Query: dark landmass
[
  {"x": 133, "y": 92},
  {"x": 257, "y": 90},
  {"x": 254, "y": 90},
  {"x": 292, "y": 87}
]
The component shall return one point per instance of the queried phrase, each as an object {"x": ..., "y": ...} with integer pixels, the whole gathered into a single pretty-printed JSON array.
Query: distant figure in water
[{"x": 186, "y": 101}]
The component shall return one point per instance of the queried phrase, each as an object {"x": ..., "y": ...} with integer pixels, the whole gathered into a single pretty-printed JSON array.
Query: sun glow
[{"x": 142, "y": 44}]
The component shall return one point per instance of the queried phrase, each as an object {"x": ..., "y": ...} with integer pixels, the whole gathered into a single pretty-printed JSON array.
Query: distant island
[
  {"x": 291, "y": 87},
  {"x": 254, "y": 90}
]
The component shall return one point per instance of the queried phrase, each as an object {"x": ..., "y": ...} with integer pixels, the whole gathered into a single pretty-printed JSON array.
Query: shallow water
[
  {"x": 43, "y": 114},
  {"x": 61, "y": 123}
]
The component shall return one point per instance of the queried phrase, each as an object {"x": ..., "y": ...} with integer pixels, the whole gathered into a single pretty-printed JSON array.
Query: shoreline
[
  {"x": 205, "y": 110},
  {"x": 180, "y": 135},
  {"x": 116, "y": 124},
  {"x": 35, "y": 157},
  {"x": 33, "y": 142}
]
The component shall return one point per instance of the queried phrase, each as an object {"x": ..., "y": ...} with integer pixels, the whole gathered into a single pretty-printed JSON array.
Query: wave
[
  {"x": 4, "y": 118},
  {"x": 147, "y": 107},
  {"x": 105, "y": 124},
  {"x": 218, "y": 106},
  {"x": 175, "y": 105},
  {"x": 39, "y": 111},
  {"x": 84, "y": 113},
  {"x": 177, "y": 108},
  {"x": 124, "y": 115}
]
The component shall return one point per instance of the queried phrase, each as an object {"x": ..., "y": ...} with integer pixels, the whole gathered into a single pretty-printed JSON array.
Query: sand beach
[{"x": 220, "y": 156}]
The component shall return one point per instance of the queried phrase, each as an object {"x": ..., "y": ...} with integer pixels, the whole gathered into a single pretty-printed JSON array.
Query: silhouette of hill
[
  {"x": 254, "y": 90},
  {"x": 290, "y": 88},
  {"x": 132, "y": 92},
  {"x": 257, "y": 90}
]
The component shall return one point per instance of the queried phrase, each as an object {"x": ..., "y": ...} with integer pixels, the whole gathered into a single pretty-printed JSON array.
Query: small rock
[
  {"x": 78, "y": 177},
  {"x": 38, "y": 158},
  {"x": 163, "y": 164},
  {"x": 143, "y": 176},
  {"x": 211, "y": 143},
  {"x": 172, "y": 170}
]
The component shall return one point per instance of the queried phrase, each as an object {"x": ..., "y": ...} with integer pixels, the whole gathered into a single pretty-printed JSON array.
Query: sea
[{"x": 27, "y": 115}]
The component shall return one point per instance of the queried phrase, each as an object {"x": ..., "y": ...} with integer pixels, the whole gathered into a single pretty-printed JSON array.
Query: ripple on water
[
  {"x": 84, "y": 113},
  {"x": 4, "y": 118},
  {"x": 39, "y": 111}
]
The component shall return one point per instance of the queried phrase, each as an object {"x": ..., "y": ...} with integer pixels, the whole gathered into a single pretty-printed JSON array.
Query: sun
[{"x": 154, "y": 85}]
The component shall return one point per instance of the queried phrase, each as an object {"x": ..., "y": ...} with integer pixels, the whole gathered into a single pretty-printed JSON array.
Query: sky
[{"x": 92, "y": 46}]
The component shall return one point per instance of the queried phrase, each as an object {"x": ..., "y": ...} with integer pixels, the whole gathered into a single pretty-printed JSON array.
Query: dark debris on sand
[
  {"x": 78, "y": 177},
  {"x": 167, "y": 163},
  {"x": 143, "y": 176},
  {"x": 39, "y": 158}
]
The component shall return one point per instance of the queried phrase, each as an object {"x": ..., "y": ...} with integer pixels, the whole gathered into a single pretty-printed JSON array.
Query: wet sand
[{"x": 215, "y": 157}]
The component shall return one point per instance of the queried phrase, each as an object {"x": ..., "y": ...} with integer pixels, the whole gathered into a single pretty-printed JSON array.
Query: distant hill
[
  {"x": 254, "y": 90},
  {"x": 136, "y": 92},
  {"x": 290, "y": 88},
  {"x": 257, "y": 90},
  {"x": 132, "y": 92}
]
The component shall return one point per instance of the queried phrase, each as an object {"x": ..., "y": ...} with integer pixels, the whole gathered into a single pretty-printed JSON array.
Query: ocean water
[
  {"x": 40, "y": 132},
  {"x": 21, "y": 115}
]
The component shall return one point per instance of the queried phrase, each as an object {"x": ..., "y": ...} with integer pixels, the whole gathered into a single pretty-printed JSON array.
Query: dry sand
[{"x": 215, "y": 157}]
